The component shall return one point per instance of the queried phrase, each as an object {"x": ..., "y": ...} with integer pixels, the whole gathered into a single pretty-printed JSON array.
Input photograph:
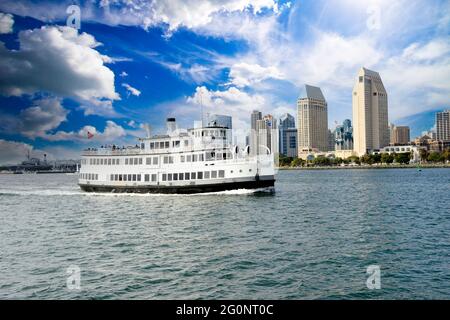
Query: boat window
[
  {"x": 221, "y": 173},
  {"x": 129, "y": 177},
  {"x": 138, "y": 177},
  {"x": 175, "y": 176},
  {"x": 116, "y": 177},
  {"x": 200, "y": 175},
  {"x": 177, "y": 143},
  {"x": 134, "y": 177},
  {"x": 166, "y": 160},
  {"x": 111, "y": 177},
  {"x": 182, "y": 158},
  {"x": 164, "y": 177},
  {"x": 166, "y": 144},
  {"x": 186, "y": 143},
  {"x": 169, "y": 177},
  {"x": 148, "y": 161},
  {"x": 147, "y": 178},
  {"x": 153, "y": 177},
  {"x": 136, "y": 160},
  {"x": 180, "y": 176},
  {"x": 186, "y": 176},
  {"x": 157, "y": 145},
  {"x": 189, "y": 158},
  {"x": 193, "y": 175},
  {"x": 194, "y": 158},
  {"x": 155, "y": 160},
  {"x": 109, "y": 162},
  {"x": 142, "y": 146},
  {"x": 209, "y": 156},
  {"x": 125, "y": 177},
  {"x": 152, "y": 145},
  {"x": 206, "y": 174},
  {"x": 219, "y": 156},
  {"x": 120, "y": 177},
  {"x": 213, "y": 174},
  {"x": 170, "y": 159},
  {"x": 126, "y": 160},
  {"x": 201, "y": 157},
  {"x": 140, "y": 160}
]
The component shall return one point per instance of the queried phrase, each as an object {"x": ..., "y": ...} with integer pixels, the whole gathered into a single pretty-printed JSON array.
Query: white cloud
[
  {"x": 6, "y": 23},
  {"x": 111, "y": 133},
  {"x": 57, "y": 60},
  {"x": 44, "y": 115},
  {"x": 123, "y": 74},
  {"x": 243, "y": 74},
  {"x": 131, "y": 90},
  {"x": 13, "y": 152}
]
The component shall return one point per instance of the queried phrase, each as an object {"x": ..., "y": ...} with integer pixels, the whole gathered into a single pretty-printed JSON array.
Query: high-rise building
[
  {"x": 331, "y": 140},
  {"x": 287, "y": 136},
  {"x": 343, "y": 136},
  {"x": 370, "y": 113},
  {"x": 266, "y": 134},
  {"x": 443, "y": 125},
  {"x": 256, "y": 115},
  {"x": 312, "y": 120},
  {"x": 400, "y": 135},
  {"x": 220, "y": 120}
]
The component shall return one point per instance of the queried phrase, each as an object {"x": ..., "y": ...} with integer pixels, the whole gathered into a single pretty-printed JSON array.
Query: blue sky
[{"x": 137, "y": 62}]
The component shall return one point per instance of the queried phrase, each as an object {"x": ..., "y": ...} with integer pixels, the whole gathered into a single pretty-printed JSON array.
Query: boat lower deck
[{"x": 263, "y": 182}]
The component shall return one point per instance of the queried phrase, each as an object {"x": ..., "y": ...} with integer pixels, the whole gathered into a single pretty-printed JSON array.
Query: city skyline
[{"x": 147, "y": 69}]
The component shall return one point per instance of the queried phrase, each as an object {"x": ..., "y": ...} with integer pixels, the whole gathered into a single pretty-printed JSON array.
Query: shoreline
[{"x": 422, "y": 166}]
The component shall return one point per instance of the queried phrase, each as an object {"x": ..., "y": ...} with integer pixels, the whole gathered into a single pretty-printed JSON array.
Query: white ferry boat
[{"x": 182, "y": 161}]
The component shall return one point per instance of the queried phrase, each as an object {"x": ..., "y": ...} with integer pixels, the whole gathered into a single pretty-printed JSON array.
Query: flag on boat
[{"x": 90, "y": 135}]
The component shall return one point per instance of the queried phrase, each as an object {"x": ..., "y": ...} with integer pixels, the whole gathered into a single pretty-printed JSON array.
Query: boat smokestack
[{"x": 171, "y": 125}]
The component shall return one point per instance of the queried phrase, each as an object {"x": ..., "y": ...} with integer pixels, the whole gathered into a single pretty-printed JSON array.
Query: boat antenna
[{"x": 201, "y": 107}]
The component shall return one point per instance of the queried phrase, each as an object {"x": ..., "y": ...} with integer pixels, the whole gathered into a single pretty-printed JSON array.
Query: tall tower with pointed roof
[{"x": 312, "y": 120}]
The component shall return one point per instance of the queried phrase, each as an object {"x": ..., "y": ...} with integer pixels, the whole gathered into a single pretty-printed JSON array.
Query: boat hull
[{"x": 265, "y": 182}]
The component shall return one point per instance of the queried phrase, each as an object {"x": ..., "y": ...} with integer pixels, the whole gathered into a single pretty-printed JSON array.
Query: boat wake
[{"x": 77, "y": 192}]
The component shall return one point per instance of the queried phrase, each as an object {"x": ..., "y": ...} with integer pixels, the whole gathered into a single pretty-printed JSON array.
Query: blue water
[{"x": 312, "y": 239}]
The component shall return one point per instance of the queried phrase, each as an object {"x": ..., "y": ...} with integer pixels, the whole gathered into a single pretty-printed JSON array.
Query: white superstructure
[{"x": 190, "y": 161}]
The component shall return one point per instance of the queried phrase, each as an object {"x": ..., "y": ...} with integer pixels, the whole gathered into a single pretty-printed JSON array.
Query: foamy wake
[{"x": 76, "y": 192}]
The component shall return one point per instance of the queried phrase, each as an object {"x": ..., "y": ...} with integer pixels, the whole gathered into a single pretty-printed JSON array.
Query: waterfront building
[
  {"x": 443, "y": 125},
  {"x": 312, "y": 120},
  {"x": 253, "y": 137},
  {"x": 221, "y": 121},
  {"x": 344, "y": 136},
  {"x": 287, "y": 136},
  {"x": 370, "y": 113},
  {"x": 399, "y": 135},
  {"x": 331, "y": 140},
  {"x": 266, "y": 135}
]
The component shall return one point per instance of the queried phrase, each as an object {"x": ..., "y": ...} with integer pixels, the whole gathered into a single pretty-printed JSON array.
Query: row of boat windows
[
  {"x": 166, "y": 144},
  {"x": 209, "y": 156},
  {"x": 89, "y": 176},
  {"x": 193, "y": 175},
  {"x": 169, "y": 176}
]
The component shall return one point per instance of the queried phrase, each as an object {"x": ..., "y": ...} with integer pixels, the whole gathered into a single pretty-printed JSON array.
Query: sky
[{"x": 109, "y": 67}]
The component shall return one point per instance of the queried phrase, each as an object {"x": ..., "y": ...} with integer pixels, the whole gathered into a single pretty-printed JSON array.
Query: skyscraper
[
  {"x": 287, "y": 136},
  {"x": 443, "y": 125},
  {"x": 312, "y": 120},
  {"x": 331, "y": 140},
  {"x": 220, "y": 120},
  {"x": 253, "y": 137},
  {"x": 266, "y": 134},
  {"x": 256, "y": 115},
  {"x": 370, "y": 113},
  {"x": 344, "y": 136}
]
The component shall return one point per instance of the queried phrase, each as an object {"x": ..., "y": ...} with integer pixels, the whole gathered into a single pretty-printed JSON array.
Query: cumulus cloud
[
  {"x": 131, "y": 90},
  {"x": 6, "y": 23},
  {"x": 245, "y": 74},
  {"x": 44, "y": 115},
  {"x": 13, "y": 152},
  {"x": 57, "y": 60},
  {"x": 111, "y": 133}
]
